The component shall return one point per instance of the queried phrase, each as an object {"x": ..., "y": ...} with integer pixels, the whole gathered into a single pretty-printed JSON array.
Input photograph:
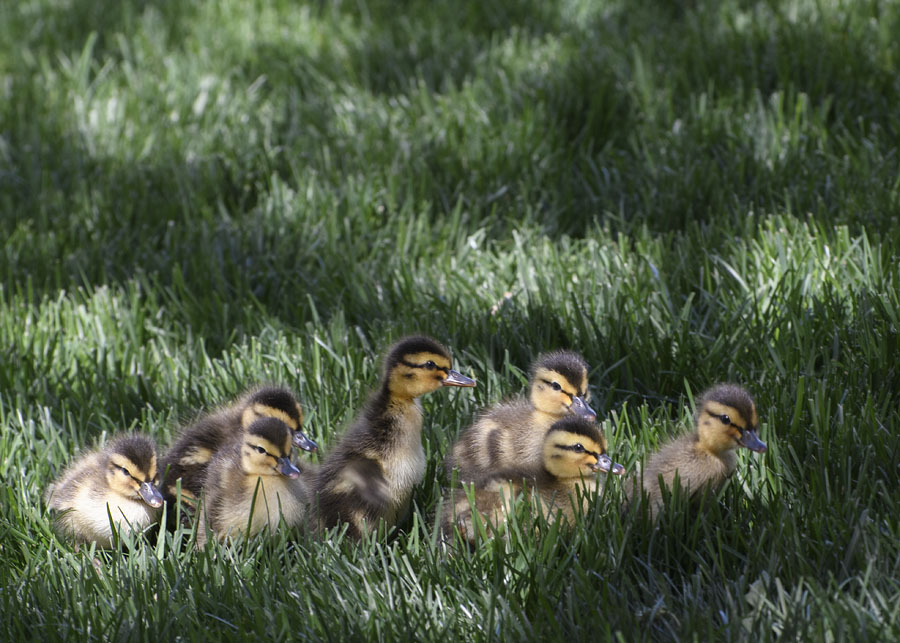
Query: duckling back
[
  {"x": 511, "y": 434},
  {"x": 695, "y": 470},
  {"x": 507, "y": 436},
  {"x": 573, "y": 451},
  {"x": 114, "y": 487}
]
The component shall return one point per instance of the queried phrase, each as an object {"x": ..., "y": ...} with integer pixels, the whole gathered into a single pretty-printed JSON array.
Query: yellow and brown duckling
[
  {"x": 191, "y": 454},
  {"x": 253, "y": 471},
  {"x": 114, "y": 485},
  {"x": 511, "y": 434},
  {"x": 369, "y": 477},
  {"x": 574, "y": 451},
  {"x": 703, "y": 460}
]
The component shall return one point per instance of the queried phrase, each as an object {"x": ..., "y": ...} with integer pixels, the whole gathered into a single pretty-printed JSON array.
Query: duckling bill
[
  {"x": 111, "y": 488},
  {"x": 369, "y": 477}
]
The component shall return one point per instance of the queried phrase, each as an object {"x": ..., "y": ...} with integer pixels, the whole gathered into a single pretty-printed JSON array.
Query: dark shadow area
[
  {"x": 594, "y": 149},
  {"x": 66, "y": 27},
  {"x": 441, "y": 44}
]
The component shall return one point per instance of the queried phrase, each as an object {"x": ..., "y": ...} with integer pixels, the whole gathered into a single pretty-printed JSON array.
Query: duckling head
[
  {"x": 574, "y": 447},
  {"x": 131, "y": 469},
  {"x": 559, "y": 382},
  {"x": 266, "y": 450},
  {"x": 274, "y": 402},
  {"x": 418, "y": 365},
  {"x": 726, "y": 419}
]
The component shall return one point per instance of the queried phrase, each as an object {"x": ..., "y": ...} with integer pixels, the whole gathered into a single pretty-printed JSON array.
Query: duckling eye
[
  {"x": 725, "y": 419},
  {"x": 430, "y": 365},
  {"x": 126, "y": 471},
  {"x": 578, "y": 448},
  {"x": 260, "y": 449},
  {"x": 555, "y": 386}
]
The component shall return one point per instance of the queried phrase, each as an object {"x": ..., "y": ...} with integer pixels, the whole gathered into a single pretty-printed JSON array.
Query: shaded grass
[{"x": 199, "y": 197}]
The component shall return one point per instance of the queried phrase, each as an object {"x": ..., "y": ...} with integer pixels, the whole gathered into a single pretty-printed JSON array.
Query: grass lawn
[{"x": 198, "y": 196}]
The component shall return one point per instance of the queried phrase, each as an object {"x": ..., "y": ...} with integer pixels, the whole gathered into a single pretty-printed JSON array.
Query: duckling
[
  {"x": 114, "y": 485},
  {"x": 511, "y": 434},
  {"x": 573, "y": 452},
  {"x": 253, "y": 472},
  {"x": 703, "y": 460},
  {"x": 189, "y": 457},
  {"x": 370, "y": 475}
]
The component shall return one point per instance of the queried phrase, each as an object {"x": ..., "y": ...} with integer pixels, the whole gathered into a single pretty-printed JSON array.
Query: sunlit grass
[{"x": 197, "y": 197}]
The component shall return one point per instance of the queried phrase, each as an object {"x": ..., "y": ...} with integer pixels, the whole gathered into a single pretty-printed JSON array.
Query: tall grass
[{"x": 195, "y": 197}]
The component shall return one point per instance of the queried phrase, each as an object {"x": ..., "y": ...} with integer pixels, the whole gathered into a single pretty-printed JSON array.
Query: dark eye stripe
[
  {"x": 571, "y": 447},
  {"x": 561, "y": 390},
  {"x": 433, "y": 367},
  {"x": 261, "y": 450},
  {"x": 135, "y": 478},
  {"x": 727, "y": 421}
]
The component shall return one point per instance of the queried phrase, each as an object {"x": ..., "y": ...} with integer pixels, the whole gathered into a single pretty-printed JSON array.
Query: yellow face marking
[
  {"x": 421, "y": 358},
  {"x": 571, "y": 439},
  {"x": 563, "y": 458},
  {"x": 714, "y": 408},
  {"x": 552, "y": 376},
  {"x": 152, "y": 470},
  {"x": 262, "y": 462},
  {"x": 411, "y": 378},
  {"x": 120, "y": 462},
  {"x": 261, "y": 410},
  {"x": 134, "y": 470},
  {"x": 124, "y": 484},
  {"x": 256, "y": 441}
]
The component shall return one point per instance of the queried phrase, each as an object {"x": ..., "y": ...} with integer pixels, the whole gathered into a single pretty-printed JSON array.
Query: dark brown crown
[{"x": 731, "y": 395}]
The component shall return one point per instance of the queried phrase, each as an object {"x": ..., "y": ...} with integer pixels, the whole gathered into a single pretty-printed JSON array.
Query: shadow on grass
[
  {"x": 605, "y": 143},
  {"x": 64, "y": 27}
]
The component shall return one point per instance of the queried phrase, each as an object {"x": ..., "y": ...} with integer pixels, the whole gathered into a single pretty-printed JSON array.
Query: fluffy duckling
[
  {"x": 511, "y": 434},
  {"x": 114, "y": 485},
  {"x": 725, "y": 420},
  {"x": 253, "y": 471},
  {"x": 370, "y": 475},
  {"x": 191, "y": 454},
  {"x": 573, "y": 452}
]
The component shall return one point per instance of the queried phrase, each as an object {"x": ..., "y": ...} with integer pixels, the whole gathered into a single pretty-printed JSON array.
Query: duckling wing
[
  {"x": 355, "y": 492},
  {"x": 695, "y": 469},
  {"x": 79, "y": 474},
  {"x": 190, "y": 456},
  {"x": 477, "y": 511},
  {"x": 504, "y": 437}
]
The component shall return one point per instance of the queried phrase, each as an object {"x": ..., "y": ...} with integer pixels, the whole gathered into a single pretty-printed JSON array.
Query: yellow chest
[
  {"x": 404, "y": 464},
  {"x": 88, "y": 517},
  {"x": 263, "y": 502}
]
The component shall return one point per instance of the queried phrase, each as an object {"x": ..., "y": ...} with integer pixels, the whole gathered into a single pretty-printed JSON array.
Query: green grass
[{"x": 195, "y": 197}]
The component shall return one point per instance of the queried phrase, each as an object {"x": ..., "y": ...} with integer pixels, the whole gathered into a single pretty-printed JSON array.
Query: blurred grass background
[{"x": 195, "y": 197}]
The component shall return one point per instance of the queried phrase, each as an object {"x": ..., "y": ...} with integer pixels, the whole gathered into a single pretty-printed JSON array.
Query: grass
[{"x": 195, "y": 197}]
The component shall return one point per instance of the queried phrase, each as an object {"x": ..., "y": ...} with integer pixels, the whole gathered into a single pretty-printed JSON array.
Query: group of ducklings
[{"x": 234, "y": 465}]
